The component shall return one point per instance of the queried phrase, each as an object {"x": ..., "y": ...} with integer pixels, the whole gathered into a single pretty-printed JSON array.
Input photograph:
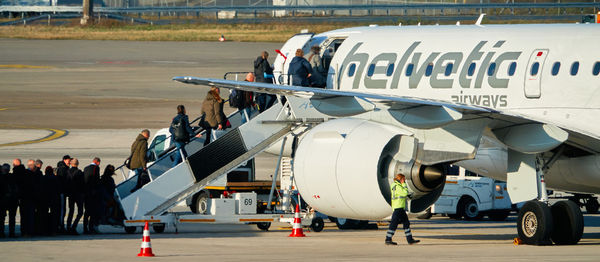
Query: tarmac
[{"x": 91, "y": 98}]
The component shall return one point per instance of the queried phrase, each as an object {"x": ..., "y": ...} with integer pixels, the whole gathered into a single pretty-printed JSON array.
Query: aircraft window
[
  {"x": 535, "y": 68},
  {"x": 409, "y": 69},
  {"x": 596, "y": 70},
  {"x": 512, "y": 68},
  {"x": 429, "y": 69},
  {"x": 555, "y": 68},
  {"x": 448, "y": 69},
  {"x": 351, "y": 70},
  {"x": 491, "y": 69},
  {"x": 471, "y": 69},
  {"x": 371, "y": 70},
  {"x": 574, "y": 68},
  {"x": 390, "y": 70}
]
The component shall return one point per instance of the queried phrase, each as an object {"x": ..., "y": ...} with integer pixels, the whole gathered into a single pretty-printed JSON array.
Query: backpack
[
  {"x": 235, "y": 98},
  {"x": 179, "y": 130}
]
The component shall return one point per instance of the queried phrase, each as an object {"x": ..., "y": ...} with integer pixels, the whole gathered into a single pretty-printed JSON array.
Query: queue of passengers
[{"x": 42, "y": 197}]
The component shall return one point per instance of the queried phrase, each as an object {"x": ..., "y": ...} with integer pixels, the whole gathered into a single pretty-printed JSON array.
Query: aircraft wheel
[
  {"x": 317, "y": 224},
  {"x": 534, "y": 224},
  {"x": 568, "y": 223}
]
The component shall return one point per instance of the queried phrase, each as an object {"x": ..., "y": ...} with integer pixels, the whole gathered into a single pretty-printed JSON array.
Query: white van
[{"x": 470, "y": 196}]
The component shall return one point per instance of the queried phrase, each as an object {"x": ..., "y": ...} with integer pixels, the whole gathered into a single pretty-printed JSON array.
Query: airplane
[{"x": 517, "y": 103}]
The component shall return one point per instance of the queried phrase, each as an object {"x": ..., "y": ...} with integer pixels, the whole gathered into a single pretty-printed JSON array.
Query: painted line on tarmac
[
  {"x": 54, "y": 134},
  {"x": 19, "y": 66}
]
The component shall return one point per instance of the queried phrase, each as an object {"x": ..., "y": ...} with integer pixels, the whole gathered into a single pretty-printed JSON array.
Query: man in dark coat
[
  {"x": 299, "y": 70},
  {"x": 25, "y": 181},
  {"x": 62, "y": 169},
  {"x": 264, "y": 74},
  {"x": 91, "y": 180},
  {"x": 51, "y": 192},
  {"x": 9, "y": 199},
  {"x": 76, "y": 194}
]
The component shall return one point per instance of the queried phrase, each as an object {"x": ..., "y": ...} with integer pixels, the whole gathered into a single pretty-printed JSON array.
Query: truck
[{"x": 470, "y": 196}]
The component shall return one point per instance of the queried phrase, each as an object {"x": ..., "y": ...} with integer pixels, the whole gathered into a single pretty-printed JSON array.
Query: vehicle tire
[
  {"x": 200, "y": 203},
  {"x": 264, "y": 226},
  {"x": 158, "y": 228},
  {"x": 317, "y": 224},
  {"x": 499, "y": 215},
  {"x": 470, "y": 210},
  {"x": 130, "y": 230},
  {"x": 426, "y": 215},
  {"x": 592, "y": 206},
  {"x": 344, "y": 223},
  {"x": 535, "y": 224},
  {"x": 568, "y": 223}
]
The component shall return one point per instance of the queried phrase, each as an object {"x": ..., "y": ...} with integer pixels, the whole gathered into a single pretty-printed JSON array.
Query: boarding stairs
[{"x": 172, "y": 183}]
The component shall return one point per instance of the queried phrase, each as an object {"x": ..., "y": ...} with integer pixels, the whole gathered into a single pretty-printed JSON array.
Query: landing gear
[{"x": 540, "y": 224}]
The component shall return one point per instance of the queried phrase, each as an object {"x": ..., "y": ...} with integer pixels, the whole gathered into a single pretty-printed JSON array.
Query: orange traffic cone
[
  {"x": 297, "y": 225},
  {"x": 222, "y": 38},
  {"x": 146, "y": 250}
]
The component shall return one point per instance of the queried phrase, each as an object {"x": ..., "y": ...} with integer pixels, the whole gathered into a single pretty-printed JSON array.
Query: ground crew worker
[{"x": 399, "y": 195}]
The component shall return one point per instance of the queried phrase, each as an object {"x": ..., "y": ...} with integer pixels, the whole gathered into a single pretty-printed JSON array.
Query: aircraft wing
[{"x": 451, "y": 111}]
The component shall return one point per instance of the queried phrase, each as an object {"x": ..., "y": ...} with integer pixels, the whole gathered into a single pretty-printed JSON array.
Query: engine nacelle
[{"x": 344, "y": 168}]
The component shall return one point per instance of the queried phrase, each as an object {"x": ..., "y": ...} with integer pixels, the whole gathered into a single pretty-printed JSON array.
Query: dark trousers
[
  {"x": 27, "y": 212},
  {"x": 399, "y": 216},
  {"x": 208, "y": 135},
  {"x": 74, "y": 200},
  {"x": 53, "y": 222},
  {"x": 181, "y": 154},
  {"x": 63, "y": 212},
  {"x": 11, "y": 208},
  {"x": 90, "y": 213},
  {"x": 265, "y": 101}
]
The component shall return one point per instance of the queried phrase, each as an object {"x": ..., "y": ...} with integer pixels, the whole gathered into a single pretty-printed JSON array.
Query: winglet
[{"x": 480, "y": 19}]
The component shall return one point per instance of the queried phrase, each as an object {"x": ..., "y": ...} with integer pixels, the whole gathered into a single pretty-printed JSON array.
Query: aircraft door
[
  {"x": 286, "y": 54},
  {"x": 533, "y": 75}
]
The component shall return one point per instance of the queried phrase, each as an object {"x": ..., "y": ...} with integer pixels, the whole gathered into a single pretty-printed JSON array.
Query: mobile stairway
[{"x": 171, "y": 183}]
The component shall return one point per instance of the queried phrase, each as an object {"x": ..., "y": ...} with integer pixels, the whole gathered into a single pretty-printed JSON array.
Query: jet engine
[{"x": 344, "y": 168}]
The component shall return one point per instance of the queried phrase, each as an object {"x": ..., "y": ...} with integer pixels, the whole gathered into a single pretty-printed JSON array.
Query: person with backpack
[
  {"x": 181, "y": 133},
  {"x": 264, "y": 74},
  {"x": 213, "y": 113}
]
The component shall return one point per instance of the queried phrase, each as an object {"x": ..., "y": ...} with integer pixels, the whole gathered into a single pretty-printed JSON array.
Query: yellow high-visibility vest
[{"x": 399, "y": 193}]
